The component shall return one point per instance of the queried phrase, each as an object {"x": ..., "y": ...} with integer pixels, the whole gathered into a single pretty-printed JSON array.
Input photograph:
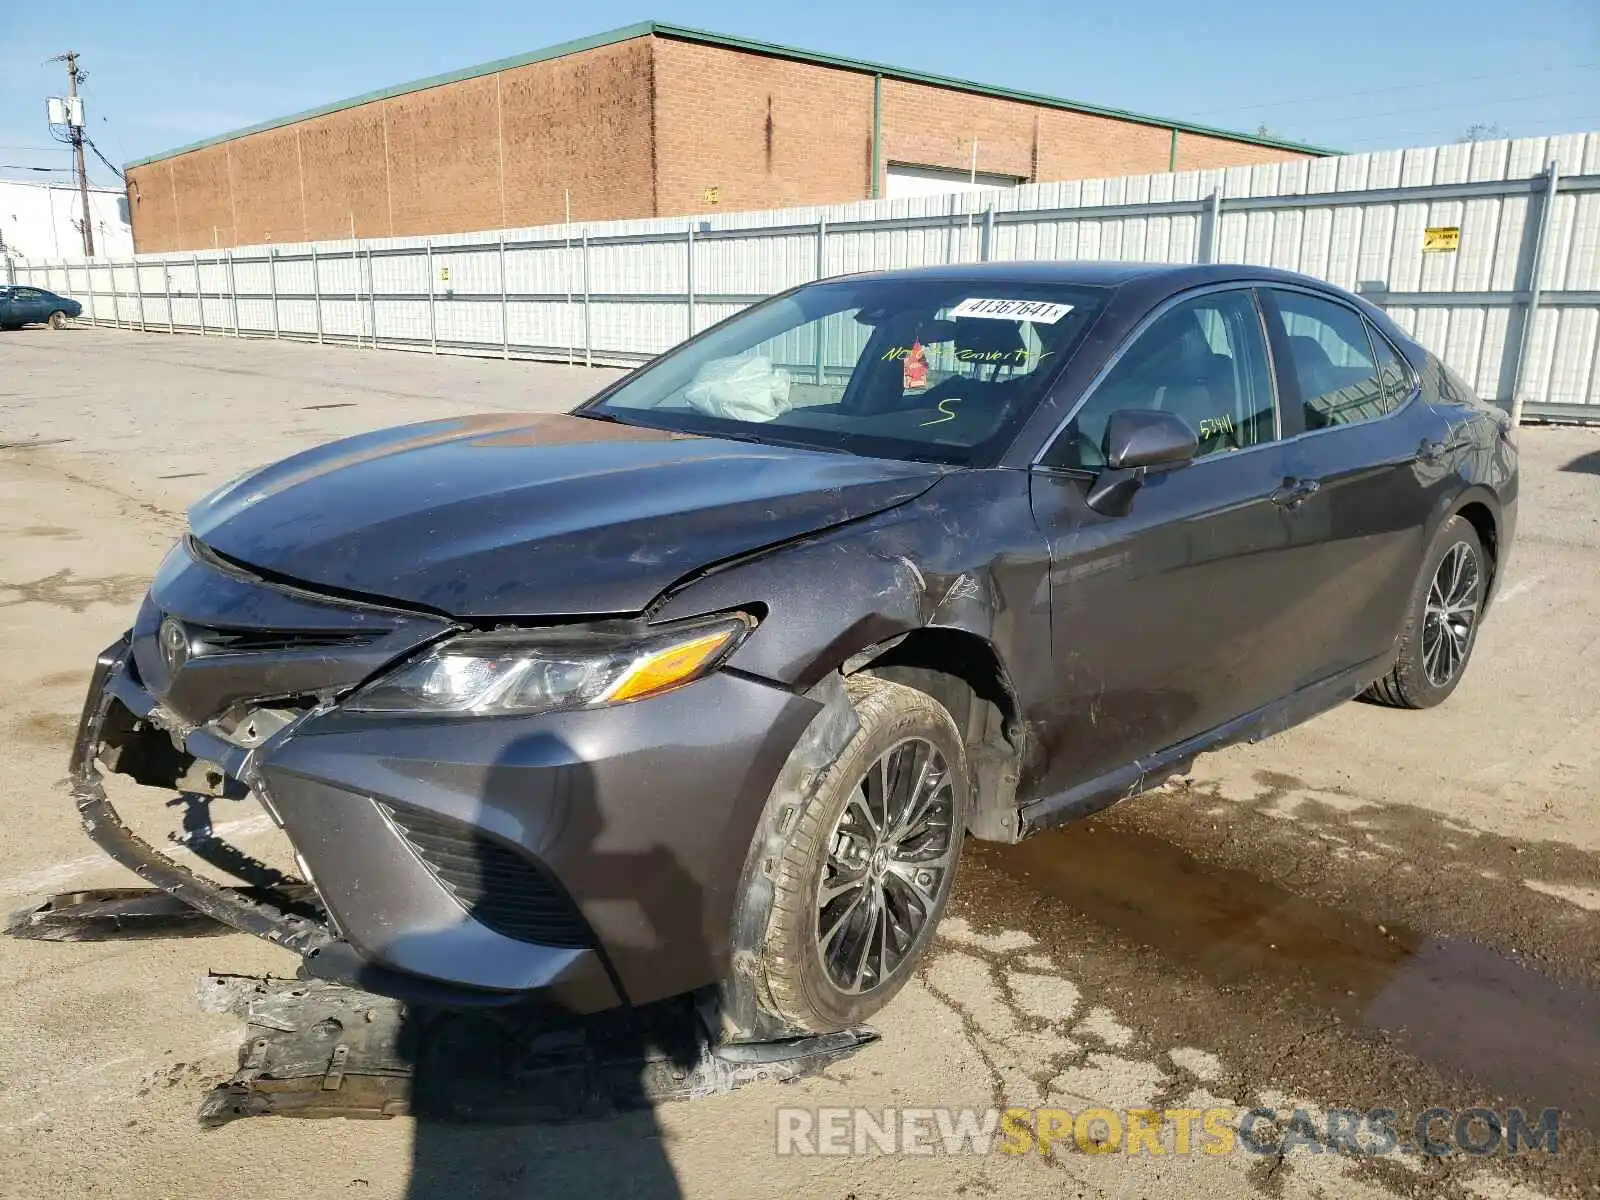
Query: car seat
[
  {"x": 1192, "y": 381},
  {"x": 1316, "y": 373}
]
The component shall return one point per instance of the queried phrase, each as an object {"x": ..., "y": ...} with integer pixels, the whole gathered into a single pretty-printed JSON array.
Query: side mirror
[
  {"x": 1136, "y": 440},
  {"x": 1144, "y": 437}
]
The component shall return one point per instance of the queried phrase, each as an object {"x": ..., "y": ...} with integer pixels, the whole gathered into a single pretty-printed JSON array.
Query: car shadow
[
  {"x": 497, "y": 1112},
  {"x": 1585, "y": 464},
  {"x": 198, "y": 834}
]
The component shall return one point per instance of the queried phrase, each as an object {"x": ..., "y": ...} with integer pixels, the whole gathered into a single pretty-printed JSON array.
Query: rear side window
[
  {"x": 1395, "y": 377},
  {"x": 1331, "y": 357}
]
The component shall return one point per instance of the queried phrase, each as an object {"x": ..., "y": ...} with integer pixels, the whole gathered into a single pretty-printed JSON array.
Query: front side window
[
  {"x": 934, "y": 369},
  {"x": 1205, "y": 360},
  {"x": 28, "y": 294},
  {"x": 1331, "y": 358}
]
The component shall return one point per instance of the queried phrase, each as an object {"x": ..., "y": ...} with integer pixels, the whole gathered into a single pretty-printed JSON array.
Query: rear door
[
  {"x": 1179, "y": 616},
  {"x": 1365, "y": 455},
  {"x": 5, "y": 307}
]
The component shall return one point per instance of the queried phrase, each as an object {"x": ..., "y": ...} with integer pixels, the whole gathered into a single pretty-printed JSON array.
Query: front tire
[
  {"x": 1441, "y": 626},
  {"x": 57, "y": 320},
  {"x": 864, "y": 867}
]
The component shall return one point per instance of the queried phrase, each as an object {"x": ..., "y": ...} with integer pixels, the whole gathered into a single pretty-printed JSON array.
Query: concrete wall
[{"x": 652, "y": 126}]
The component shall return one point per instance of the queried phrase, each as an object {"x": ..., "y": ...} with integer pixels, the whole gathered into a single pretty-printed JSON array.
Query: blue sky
[{"x": 1356, "y": 75}]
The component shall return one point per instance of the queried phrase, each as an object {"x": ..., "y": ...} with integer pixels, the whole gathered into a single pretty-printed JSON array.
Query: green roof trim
[{"x": 685, "y": 34}]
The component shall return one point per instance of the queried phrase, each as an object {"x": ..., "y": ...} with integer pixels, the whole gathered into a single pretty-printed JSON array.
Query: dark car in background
[
  {"x": 706, "y": 682},
  {"x": 22, "y": 305}
]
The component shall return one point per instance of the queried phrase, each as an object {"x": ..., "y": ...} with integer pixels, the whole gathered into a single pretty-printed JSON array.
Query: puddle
[{"x": 1460, "y": 1006}]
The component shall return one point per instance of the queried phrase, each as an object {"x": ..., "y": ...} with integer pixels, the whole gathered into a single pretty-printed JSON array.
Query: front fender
[{"x": 965, "y": 556}]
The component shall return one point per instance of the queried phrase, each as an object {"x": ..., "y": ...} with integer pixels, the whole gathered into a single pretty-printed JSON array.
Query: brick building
[{"x": 651, "y": 120}]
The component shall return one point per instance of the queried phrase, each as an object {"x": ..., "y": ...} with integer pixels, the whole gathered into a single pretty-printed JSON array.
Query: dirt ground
[{"x": 1378, "y": 909}]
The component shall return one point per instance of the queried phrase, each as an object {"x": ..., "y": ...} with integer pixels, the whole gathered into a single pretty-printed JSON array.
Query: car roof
[{"x": 1175, "y": 276}]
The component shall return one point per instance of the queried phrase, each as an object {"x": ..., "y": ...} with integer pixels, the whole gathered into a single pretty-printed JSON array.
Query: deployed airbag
[{"x": 740, "y": 389}]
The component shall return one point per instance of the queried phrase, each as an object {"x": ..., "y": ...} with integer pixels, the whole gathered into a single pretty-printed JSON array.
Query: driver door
[
  {"x": 27, "y": 306},
  {"x": 1181, "y": 615}
]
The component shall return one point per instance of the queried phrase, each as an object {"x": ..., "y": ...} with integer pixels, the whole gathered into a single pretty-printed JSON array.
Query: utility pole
[{"x": 75, "y": 127}]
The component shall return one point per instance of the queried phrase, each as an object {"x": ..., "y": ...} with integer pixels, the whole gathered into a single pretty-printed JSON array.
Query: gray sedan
[{"x": 702, "y": 687}]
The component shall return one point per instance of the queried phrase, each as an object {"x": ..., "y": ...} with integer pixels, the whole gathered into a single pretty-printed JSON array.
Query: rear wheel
[
  {"x": 1442, "y": 622},
  {"x": 57, "y": 320},
  {"x": 863, "y": 869}
]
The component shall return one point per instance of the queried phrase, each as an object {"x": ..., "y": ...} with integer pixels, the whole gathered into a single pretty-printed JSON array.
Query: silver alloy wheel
[
  {"x": 889, "y": 858},
  {"x": 1451, "y": 612}
]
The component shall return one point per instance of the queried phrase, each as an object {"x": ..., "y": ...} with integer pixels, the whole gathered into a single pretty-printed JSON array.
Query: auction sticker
[{"x": 1040, "y": 312}]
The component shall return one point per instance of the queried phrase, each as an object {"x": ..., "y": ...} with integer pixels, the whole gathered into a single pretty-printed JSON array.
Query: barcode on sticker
[{"x": 1040, "y": 312}]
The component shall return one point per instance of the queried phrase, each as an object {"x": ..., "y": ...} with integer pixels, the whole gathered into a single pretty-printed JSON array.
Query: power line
[
  {"x": 111, "y": 166},
  {"x": 1476, "y": 104},
  {"x": 1385, "y": 140},
  {"x": 1402, "y": 87}
]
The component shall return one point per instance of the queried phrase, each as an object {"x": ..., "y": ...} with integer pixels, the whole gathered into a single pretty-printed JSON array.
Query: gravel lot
[{"x": 1377, "y": 909}]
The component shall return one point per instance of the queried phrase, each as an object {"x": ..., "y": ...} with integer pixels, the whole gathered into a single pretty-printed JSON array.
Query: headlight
[{"x": 524, "y": 671}]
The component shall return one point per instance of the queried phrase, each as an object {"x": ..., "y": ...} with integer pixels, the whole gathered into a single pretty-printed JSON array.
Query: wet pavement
[{"x": 1469, "y": 990}]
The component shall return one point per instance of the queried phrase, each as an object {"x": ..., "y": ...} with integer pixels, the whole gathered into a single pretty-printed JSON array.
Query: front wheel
[
  {"x": 864, "y": 864},
  {"x": 57, "y": 320},
  {"x": 1441, "y": 626}
]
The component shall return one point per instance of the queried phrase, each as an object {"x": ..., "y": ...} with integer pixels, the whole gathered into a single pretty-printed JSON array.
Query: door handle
[
  {"x": 1294, "y": 492},
  {"x": 1430, "y": 451}
]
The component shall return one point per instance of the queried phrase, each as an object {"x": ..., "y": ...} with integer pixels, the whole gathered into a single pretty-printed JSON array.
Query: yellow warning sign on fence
[{"x": 1439, "y": 238}]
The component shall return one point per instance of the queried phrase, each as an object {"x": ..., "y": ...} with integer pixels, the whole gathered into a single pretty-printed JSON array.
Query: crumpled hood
[{"x": 530, "y": 516}]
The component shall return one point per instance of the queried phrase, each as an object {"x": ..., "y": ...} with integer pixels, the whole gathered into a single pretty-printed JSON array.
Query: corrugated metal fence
[{"x": 1516, "y": 309}]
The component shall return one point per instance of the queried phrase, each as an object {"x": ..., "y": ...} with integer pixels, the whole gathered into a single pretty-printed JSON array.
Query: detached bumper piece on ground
[{"x": 316, "y": 1049}]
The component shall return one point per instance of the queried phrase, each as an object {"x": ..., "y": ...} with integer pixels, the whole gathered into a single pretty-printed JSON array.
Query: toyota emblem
[{"x": 174, "y": 644}]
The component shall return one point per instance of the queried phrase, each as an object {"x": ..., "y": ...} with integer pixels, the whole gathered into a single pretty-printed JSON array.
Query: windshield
[{"x": 927, "y": 369}]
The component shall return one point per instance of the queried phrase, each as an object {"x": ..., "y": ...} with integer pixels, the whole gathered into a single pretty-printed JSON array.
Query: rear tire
[
  {"x": 1442, "y": 620},
  {"x": 57, "y": 320},
  {"x": 863, "y": 869}
]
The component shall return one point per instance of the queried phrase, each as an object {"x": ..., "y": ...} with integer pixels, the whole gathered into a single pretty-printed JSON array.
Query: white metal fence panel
[{"x": 1515, "y": 309}]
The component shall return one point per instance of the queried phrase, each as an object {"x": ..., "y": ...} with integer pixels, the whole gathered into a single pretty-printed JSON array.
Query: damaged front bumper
[
  {"x": 231, "y": 906},
  {"x": 571, "y": 978},
  {"x": 586, "y": 859}
]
